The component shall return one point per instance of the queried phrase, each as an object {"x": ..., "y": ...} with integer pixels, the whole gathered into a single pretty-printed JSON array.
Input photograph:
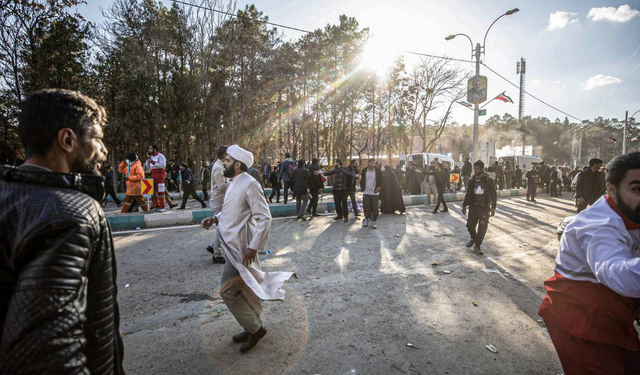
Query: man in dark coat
[
  {"x": 481, "y": 200},
  {"x": 351, "y": 186},
  {"x": 590, "y": 186},
  {"x": 315, "y": 186},
  {"x": 300, "y": 179},
  {"x": 58, "y": 309},
  {"x": 440, "y": 177},
  {"x": 371, "y": 183},
  {"x": 188, "y": 187},
  {"x": 342, "y": 173},
  {"x": 467, "y": 168},
  {"x": 413, "y": 179},
  {"x": 517, "y": 177}
]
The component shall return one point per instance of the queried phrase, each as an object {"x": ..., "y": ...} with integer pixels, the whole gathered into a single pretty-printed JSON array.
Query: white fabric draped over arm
[{"x": 261, "y": 214}]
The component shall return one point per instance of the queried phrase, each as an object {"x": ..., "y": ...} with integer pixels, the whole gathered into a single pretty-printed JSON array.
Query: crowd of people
[{"x": 58, "y": 295}]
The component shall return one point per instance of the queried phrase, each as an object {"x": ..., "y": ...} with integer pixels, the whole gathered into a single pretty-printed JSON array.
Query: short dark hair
[
  {"x": 222, "y": 151},
  {"x": 287, "y": 155},
  {"x": 619, "y": 166},
  {"x": 132, "y": 157},
  {"x": 184, "y": 165},
  {"x": 155, "y": 147},
  {"x": 314, "y": 161},
  {"x": 479, "y": 163},
  {"x": 301, "y": 163},
  {"x": 595, "y": 161},
  {"x": 372, "y": 159},
  {"x": 46, "y": 112},
  {"x": 338, "y": 161}
]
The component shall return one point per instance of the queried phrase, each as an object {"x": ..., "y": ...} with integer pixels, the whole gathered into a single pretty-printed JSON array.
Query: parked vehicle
[
  {"x": 524, "y": 161},
  {"x": 424, "y": 159}
]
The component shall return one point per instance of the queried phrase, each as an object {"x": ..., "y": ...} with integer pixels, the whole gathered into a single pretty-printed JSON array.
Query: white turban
[{"x": 240, "y": 154}]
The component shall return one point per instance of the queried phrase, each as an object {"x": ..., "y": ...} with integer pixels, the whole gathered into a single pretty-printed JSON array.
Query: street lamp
[{"x": 478, "y": 50}]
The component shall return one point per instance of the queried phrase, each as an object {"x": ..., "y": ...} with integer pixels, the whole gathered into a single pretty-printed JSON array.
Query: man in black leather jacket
[{"x": 58, "y": 309}]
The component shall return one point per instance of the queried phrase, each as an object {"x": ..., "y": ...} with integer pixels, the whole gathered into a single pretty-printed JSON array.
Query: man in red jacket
[{"x": 592, "y": 299}]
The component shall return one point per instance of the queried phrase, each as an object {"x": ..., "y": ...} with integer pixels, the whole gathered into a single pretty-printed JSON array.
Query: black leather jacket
[{"x": 58, "y": 309}]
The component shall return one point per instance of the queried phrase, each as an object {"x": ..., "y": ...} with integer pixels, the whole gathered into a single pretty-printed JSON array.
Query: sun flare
[{"x": 378, "y": 56}]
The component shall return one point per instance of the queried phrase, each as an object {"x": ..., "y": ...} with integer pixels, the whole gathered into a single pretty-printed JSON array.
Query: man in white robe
[{"x": 243, "y": 229}]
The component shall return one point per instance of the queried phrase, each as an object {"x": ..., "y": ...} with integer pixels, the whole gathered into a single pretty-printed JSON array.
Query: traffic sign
[
  {"x": 482, "y": 112},
  {"x": 147, "y": 186},
  {"x": 454, "y": 177}
]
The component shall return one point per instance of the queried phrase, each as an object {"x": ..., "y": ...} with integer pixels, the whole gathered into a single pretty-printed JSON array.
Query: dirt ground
[{"x": 361, "y": 296}]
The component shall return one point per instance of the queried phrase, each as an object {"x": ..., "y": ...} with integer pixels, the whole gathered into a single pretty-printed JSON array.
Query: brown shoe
[{"x": 252, "y": 340}]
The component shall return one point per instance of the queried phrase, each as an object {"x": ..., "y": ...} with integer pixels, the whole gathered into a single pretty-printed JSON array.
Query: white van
[
  {"x": 424, "y": 159},
  {"x": 524, "y": 161}
]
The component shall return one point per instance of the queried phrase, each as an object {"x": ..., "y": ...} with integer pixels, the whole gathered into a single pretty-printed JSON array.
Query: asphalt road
[{"x": 360, "y": 297}]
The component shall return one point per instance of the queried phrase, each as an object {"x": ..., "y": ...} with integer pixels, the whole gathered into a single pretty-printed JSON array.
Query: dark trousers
[
  {"x": 287, "y": 185},
  {"x": 517, "y": 182},
  {"x": 587, "y": 203},
  {"x": 441, "y": 199},
  {"x": 111, "y": 192},
  {"x": 509, "y": 178},
  {"x": 275, "y": 191},
  {"x": 532, "y": 191},
  {"x": 354, "y": 203},
  {"x": 478, "y": 217},
  {"x": 340, "y": 199},
  {"x": 313, "y": 205},
  {"x": 499, "y": 182},
  {"x": 466, "y": 182},
  {"x": 205, "y": 190},
  {"x": 370, "y": 206},
  {"x": 185, "y": 197}
]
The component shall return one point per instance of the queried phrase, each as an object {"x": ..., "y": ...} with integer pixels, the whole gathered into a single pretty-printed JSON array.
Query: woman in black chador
[{"x": 391, "y": 194}]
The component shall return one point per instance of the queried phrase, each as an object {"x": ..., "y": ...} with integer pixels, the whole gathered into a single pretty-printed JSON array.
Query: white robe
[{"x": 244, "y": 222}]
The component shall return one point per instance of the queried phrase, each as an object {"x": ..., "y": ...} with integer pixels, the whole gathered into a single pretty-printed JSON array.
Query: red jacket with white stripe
[{"x": 595, "y": 289}]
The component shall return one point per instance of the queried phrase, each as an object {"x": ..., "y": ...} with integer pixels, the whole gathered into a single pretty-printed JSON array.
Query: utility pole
[
  {"x": 521, "y": 69},
  {"x": 474, "y": 153},
  {"x": 624, "y": 133}
]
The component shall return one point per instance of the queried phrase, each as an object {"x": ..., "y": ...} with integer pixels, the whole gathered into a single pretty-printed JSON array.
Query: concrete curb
[
  {"x": 178, "y": 196},
  {"x": 172, "y": 218}
]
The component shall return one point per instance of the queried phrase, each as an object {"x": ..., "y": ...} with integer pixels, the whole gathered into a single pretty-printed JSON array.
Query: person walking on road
[
  {"x": 315, "y": 186},
  {"x": 205, "y": 180},
  {"x": 371, "y": 184},
  {"x": 589, "y": 187},
  {"x": 108, "y": 185},
  {"x": 157, "y": 163},
  {"x": 266, "y": 171},
  {"x": 286, "y": 171},
  {"x": 481, "y": 200},
  {"x": 244, "y": 286},
  {"x": 216, "y": 198},
  {"x": 430, "y": 185},
  {"x": 340, "y": 189},
  {"x": 351, "y": 186},
  {"x": 533, "y": 179},
  {"x": 131, "y": 167},
  {"x": 591, "y": 301},
  {"x": 58, "y": 311},
  {"x": 300, "y": 179},
  {"x": 275, "y": 185},
  {"x": 189, "y": 187},
  {"x": 499, "y": 171},
  {"x": 440, "y": 177},
  {"x": 467, "y": 169}
]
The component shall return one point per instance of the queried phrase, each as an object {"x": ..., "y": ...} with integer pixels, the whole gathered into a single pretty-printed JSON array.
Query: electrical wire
[
  {"x": 243, "y": 17},
  {"x": 531, "y": 95},
  {"x": 439, "y": 57}
]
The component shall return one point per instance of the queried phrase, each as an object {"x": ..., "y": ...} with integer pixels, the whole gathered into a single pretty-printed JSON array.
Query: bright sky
[{"x": 575, "y": 50}]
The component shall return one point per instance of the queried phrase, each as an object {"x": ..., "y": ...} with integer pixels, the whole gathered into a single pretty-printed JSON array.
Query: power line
[
  {"x": 439, "y": 57},
  {"x": 611, "y": 84},
  {"x": 243, "y": 17},
  {"x": 531, "y": 95}
]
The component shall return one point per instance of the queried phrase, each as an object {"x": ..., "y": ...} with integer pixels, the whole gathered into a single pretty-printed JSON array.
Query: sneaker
[
  {"x": 470, "y": 243},
  {"x": 210, "y": 249},
  {"x": 252, "y": 340},
  {"x": 218, "y": 260},
  {"x": 374, "y": 224},
  {"x": 477, "y": 251},
  {"x": 346, "y": 219},
  {"x": 435, "y": 211},
  {"x": 365, "y": 223}
]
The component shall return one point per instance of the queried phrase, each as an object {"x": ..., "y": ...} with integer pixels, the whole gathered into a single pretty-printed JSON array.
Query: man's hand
[
  {"x": 208, "y": 222},
  {"x": 493, "y": 212},
  {"x": 464, "y": 210},
  {"x": 249, "y": 257},
  {"x": 581, "y": 200},
  {"x": 378, "y": 189}
]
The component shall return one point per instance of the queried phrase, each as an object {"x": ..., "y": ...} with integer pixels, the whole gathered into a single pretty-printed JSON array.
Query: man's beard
[
  {"x": 88, "y": 166},
  {"x": 229, "y": 171},
  {"x": 630, "y": 213}
]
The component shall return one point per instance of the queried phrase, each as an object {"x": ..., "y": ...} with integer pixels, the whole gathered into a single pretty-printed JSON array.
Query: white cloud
[
  {"x": 560, "y": 19},
  {"x": 623, "y": 14},
  {"x": 599, "y": 80}
]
